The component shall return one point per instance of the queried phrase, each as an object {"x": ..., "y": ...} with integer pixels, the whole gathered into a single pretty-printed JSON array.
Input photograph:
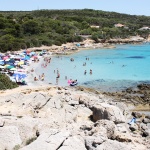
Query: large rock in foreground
[
  {"x": 51, "y": 140},
  {"x": 113, "y": 145},
  {"x": 109, "y": 112},
  {"x": 9, "y": 137},
  {"x": 73, "y": 143}
]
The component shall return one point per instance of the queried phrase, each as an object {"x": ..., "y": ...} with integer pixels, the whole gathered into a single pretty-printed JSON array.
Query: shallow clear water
[{"x": 112, "y": 69}]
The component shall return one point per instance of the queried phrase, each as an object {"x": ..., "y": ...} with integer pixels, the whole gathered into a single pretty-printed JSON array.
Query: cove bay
[{"x": 112, "y": 69}]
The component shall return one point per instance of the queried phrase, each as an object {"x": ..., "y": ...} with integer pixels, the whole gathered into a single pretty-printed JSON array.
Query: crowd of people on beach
[
  {"x": 15, "y": 64},
  {"x": 47, "y": 60},
  {"x": 27, "y": 55},
  {"x": 41, "y": 78}
]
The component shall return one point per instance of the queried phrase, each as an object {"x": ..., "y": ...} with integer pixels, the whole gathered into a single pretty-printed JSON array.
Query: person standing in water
[
  {"x": 42, "y": 77},
  {"x": 90, "y": 71},
  {"x": 56, "y": 81},
  {"x": 58, "y": 75}
]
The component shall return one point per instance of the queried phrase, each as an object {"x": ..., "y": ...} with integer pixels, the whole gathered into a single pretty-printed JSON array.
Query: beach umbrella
[
  {"x": 28, "y": 51},
  {"x": 6, "y": 57},
  {"x": 21, "y": 63},
  {"x": 20, "y": 75},
  {"x": 26, "y": 58},
  {"x": 35, "y": 57},
  {"x": 2, "y": 67},
  {"x": 23, "y": 76},
  {"x": 32, "y": 53},
  {"x": 9, "y": 67},
  {"x": 1, "y": 62},
  {"x": 9, "y": 63},
  {"x": 12, "y": 60},
  {"x": 13, "y": 69}
]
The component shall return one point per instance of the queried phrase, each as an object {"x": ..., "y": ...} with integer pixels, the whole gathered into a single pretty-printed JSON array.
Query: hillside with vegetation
[{"x": 24, "y": 29}]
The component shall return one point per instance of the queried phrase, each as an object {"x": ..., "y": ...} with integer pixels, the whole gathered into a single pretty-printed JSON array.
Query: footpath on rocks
[{"x": 64, "y": 118}]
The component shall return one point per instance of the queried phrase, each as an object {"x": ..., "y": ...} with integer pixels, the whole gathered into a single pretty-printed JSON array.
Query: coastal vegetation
[
  {"x": 6, "y": 83},
  {"x": 24, "y": 29}
]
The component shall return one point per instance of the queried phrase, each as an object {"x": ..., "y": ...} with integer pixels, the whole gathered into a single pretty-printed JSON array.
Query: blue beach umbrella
[
  {"x": 23, "y": 75},
  {"x": 32, "y": 53},
  {"x": 19, "y": 75},
  {"x": 12, "y": 60},
  {"x": 1, "y": 62},
  {"x": 9, "y": 63},
  {"x": 26, "y": 58}
]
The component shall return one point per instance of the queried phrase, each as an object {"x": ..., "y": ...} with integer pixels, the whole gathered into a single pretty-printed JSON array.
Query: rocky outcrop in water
[{"x": 60, "y": 118}]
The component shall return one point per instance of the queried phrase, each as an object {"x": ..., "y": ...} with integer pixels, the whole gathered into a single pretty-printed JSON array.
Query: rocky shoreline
[
  {"x": 64, "y": 118},
  {"x": 139, "y": 95}
]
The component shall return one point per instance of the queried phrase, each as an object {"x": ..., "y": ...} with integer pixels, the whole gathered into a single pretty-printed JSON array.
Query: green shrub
[
  {"x": 58, "y": 43},
  {"x": 6, "y": 83},
  {"x": 17, "y": 147},
  {"x": 30, "y": 140}
]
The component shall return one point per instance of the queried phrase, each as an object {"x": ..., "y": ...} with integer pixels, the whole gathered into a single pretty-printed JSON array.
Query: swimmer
[
  {"x": 90, "y": 71},
  {"x": 56, "y": 81},
  {"x": 58, "y": 75},
  {"x": 32, "y": 70},
  {"x": 35, "y": 79},
  {"x": 42, "y": 77},
  {"x": 39, "y": 77},
  {"x": 70, "y": 81},
  {"x": 57, "y": 71},
  {"x": 123, "y": 65}
]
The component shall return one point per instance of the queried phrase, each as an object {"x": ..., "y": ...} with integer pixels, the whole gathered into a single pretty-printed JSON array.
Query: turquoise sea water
[{"x": 113, "y": 69}]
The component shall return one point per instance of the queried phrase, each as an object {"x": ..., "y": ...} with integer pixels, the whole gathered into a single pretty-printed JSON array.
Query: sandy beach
[{"x": 31, "y": 74}]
